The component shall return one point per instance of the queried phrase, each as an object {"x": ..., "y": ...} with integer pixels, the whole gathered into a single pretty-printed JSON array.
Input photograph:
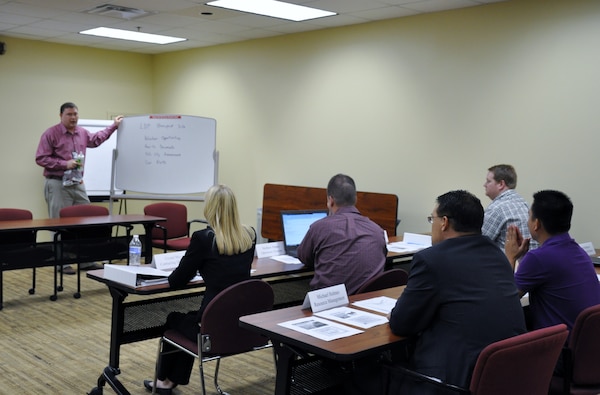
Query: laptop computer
[{"x": 295, "y": 224}]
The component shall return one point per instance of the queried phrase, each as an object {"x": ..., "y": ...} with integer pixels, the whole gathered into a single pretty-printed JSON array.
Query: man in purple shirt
[
  {"x": 344, "y": 247},
  {"x": 57, "y": 154},
  {"x": 559, "y": 275}
]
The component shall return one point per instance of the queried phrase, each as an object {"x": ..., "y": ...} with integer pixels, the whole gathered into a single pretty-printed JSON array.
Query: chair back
[
  {"x": 585, "y": 347},
  {"x": 88, "y": 232},
  {"x": 16, "y": 238},
  {"x": 387, "y": 279},
  {"x": 520, "y": 365},
  {"x": 220, "y": 319},
  {"x": 176, "y": 219}
]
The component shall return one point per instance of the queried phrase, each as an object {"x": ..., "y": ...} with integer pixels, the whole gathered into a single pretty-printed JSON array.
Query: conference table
[
  {"x": 288, "y": 343},
  {"x": 143, "y": 319},
  {"x": 74, "y": 223}
]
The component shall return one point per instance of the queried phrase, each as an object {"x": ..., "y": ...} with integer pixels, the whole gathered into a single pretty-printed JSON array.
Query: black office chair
[{"x": 19, "y": 249}]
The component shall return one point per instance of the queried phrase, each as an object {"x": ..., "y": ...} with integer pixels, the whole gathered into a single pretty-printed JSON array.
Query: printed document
[
  {"x": 382, "y": 304},
  {"x": 354, "y": 317},
  {"x": 321, "y": 329}
]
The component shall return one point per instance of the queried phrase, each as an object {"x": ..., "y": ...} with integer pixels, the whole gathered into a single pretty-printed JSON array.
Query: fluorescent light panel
[
  {"x": 273, "y": 8},
  {"x": 132, "y": 36}
]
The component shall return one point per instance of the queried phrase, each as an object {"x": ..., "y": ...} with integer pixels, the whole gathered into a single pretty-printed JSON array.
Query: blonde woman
[{"x": 222, "y": 254}]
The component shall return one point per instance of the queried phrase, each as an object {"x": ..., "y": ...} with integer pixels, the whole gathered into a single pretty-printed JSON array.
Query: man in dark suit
[{"x": 460, "y": 297}]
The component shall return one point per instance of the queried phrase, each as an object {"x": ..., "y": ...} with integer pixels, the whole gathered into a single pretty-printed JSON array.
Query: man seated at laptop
[{"x": 344, "y": 247}]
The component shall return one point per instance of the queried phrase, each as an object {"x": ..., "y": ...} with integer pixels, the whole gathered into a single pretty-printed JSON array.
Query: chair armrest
[
  {"x": 201, "y": 221},
  {"x": 164, "y": 231},
  {"x": 428, "y": 379}
]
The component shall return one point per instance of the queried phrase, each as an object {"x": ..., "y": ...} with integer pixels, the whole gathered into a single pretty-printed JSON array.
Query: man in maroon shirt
[
  {"x": 345, "y": 247},
  {"x": 58, "y": 152}
]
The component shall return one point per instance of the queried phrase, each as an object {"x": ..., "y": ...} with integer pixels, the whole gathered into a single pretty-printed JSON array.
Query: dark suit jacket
[{"x": 460, "y": 297}]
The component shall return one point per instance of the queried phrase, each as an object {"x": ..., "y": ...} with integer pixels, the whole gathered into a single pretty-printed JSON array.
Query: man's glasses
[{"x": 431, "y": 217}]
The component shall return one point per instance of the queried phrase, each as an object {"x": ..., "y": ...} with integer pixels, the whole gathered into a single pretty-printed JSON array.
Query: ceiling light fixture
[
  {"x": 273, "y": 8},
  {"x": 132, "y": 36}
]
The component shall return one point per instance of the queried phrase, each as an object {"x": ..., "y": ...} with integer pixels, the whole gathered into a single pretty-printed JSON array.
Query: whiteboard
[
  {"x": 98, "y": 161},
  {"x": 166, "y": 154}
]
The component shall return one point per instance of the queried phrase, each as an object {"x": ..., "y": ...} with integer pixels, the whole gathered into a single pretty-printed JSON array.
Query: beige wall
[
  {"x": 414, "y": 106},
  {"x": 35, "y": 79}
]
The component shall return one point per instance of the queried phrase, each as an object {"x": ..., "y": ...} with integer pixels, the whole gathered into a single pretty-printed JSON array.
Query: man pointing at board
[{"x": 61, "y": 152}]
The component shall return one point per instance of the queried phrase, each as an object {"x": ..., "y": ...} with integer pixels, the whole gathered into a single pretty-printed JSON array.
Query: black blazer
[{"x": 460, "y": 297}]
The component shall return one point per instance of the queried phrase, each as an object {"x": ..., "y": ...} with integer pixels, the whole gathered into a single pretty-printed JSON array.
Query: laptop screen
[{"x": 295, "y": 224}]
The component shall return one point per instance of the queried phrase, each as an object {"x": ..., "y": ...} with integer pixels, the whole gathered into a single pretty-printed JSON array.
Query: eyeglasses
[{"x": 431, "y": 217}]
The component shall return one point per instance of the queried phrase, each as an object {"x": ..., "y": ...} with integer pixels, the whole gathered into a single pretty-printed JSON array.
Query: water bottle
[{"x": 135, "y": 251}]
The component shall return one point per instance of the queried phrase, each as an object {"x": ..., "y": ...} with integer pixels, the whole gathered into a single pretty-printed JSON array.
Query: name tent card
[
  {"x": 326, "y": 298},
  {"x": 167, "y": 261},
  {"x": 267, "y": 250}
]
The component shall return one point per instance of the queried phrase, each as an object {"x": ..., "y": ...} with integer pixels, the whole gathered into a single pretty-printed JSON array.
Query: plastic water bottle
[{"x": 135, "y": 251}]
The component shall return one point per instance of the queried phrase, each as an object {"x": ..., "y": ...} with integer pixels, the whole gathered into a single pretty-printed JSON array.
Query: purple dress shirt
[
  {"x": 345, "y": 247},
  {"x": 561, "y": 281}
]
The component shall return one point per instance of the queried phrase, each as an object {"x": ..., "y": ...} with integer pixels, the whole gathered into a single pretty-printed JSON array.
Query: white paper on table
[
  {"x": 354, "y": 317},
  {"x": 321, "y": 329},
  {"x": 287, "y": 259},
  {"x": 382, "y": 304}
]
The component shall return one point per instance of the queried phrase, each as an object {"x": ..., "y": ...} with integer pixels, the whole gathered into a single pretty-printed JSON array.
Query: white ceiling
[{"x": 59, "y": 21}]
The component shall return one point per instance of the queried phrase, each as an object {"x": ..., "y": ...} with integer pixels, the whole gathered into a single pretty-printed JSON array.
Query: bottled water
[{"x": 135, "y": 251}]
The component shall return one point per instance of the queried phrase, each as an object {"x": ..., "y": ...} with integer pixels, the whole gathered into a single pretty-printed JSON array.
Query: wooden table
[
  {"x": 57, "y": 224},
  {"x": 287, "y": 341},
  {"x": 143, "y": 319}
]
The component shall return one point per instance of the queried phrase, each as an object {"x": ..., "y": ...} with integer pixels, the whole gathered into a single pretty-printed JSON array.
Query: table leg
[
  {"x": 284, "y": 359},
  {"x": 110, "y": 373}
]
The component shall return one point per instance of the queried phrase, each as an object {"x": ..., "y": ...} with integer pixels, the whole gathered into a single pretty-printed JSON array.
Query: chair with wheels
[
  {"x": 90, "y": 243},
  {"x": 173, "y": 233},
  {"x": 20, "y": 250},
  {"x": 220, "y": 334},
  {"x": 581, "y": 357},
  {"x": 386, "y": 279},
  {"x": 519, "y": 365}
]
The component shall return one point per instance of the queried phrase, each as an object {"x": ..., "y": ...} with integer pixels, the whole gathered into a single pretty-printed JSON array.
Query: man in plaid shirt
[{"x": 507, "y": 207}]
